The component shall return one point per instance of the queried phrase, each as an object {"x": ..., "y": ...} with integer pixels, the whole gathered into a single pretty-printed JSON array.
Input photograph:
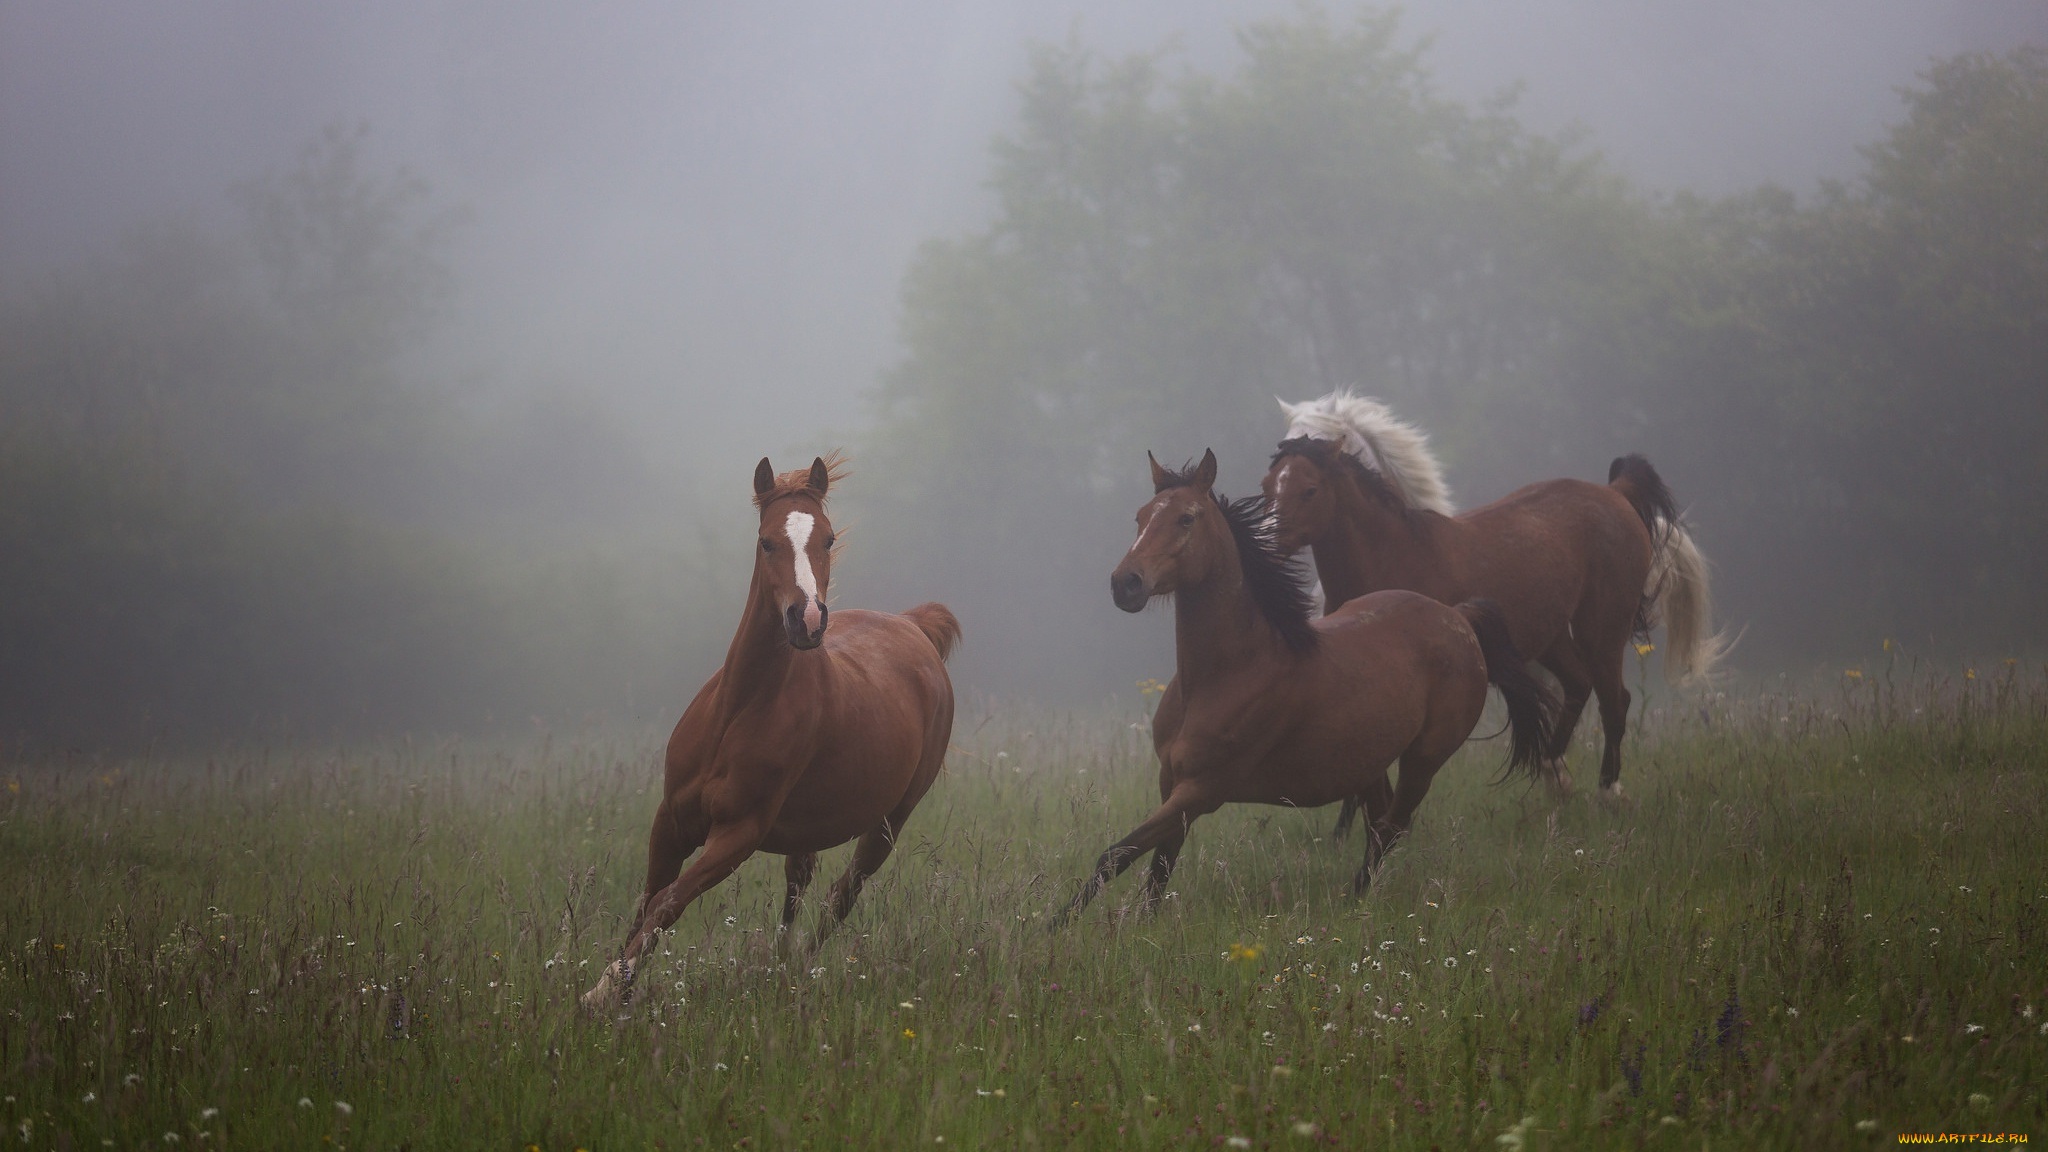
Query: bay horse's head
[
  {"x": 793, "y": 563},
  {"x": 1181, "y": 535},
  {"x": 1298, "y": 489}
]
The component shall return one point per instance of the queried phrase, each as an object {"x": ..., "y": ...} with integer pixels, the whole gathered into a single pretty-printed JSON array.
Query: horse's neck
[
  {"x": 758, "y": 660},
  {"x": 1217, "y": 627},
  {"x": 1371, "y": 548}
]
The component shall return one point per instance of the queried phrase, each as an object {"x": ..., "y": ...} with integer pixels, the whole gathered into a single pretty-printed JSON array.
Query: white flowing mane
[{"x": 1390, "y": 446}]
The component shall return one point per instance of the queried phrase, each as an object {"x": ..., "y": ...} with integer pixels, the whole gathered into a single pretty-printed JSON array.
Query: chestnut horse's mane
[
  {"x": 1368, "y": 431},
  {"x": 1328, "y": 455},
  {"x": 799, "y": 480},
  {"x": 1277, "y": 581}
]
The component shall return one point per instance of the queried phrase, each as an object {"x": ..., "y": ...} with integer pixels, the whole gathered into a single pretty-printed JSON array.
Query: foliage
[
  {"x": 1812, "y": 919},
  {"x": 1846, "y": 388}
]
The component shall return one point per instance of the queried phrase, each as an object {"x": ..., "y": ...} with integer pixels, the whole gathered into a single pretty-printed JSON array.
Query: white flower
[
  {"x": 1866, "y": 1125},
  {"x": 1198, "y": 1027},
  {"x": 1972, "y": 1029},
  {"x": 721, "y": 1067},
  {"x": 731, "y": 920},
  {"x": 1450, "y": 961},
  {"x": 90, "y": 1097},
  {"x": 1304, "y": 1128},
  {"x": 208, "y": 1113},
  {"x": 344, "y": 1107},
  {"x": 304, "y": 1102},
  {"x": 1237, "y": 1142}
]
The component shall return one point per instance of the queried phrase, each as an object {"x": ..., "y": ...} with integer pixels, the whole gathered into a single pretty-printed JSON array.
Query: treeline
[
  {"x": 236, "y": 499},
  {"x": 1849, "y": 387}
]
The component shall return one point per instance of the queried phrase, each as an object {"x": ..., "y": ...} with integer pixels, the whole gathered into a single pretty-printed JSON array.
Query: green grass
[{"x": 1817, "y": 911}]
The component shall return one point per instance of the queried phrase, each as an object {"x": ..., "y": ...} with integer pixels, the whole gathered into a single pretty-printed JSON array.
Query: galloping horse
[
  {"x": 1577, "y": 568},
  {"x": 804, "y": 739},
  {"x": 1270, "y": 706}
]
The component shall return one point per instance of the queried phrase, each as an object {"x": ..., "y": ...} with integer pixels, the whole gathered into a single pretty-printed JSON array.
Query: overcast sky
[{"x": 703, "y": 210}]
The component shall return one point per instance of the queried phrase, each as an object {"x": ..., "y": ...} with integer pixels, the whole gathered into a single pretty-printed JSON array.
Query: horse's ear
[
  {"x": 1205, "y": 472},
  {"x": 821, "y": 478},
  {"x": 764, "y": 477},
  {"x": 1161, "y": 478}
]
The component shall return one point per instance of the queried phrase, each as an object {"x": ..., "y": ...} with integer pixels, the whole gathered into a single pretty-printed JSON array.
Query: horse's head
[
  {"x": 1299, "y": 493},
  {"x": 793, "y": 564},
  {"x": 1181, "y": 534}
]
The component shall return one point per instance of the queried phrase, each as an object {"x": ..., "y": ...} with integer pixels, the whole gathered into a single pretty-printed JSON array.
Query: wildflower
[
  {"x": 90, "y": 1097},
  {"x": 1867, "y": 1125},
  {"x": 731, "y": 920},
  {"x": 1237, "y": 1142},
  {"x": 131, "y": 1079},
  {"x": 305, "y": 1103},
  {"x": 1972, "y": 1029},
  {"x": 1979, "y": 1101},
  {"x": 344, "y": 1107},
  {"x": 906, "y": 1004},
  {"x": 1517, "y": 1136},
  {"x": 720, "y": 1067},
  {"x": 1853, "y": 673},
  {"x": 1304, "y": 1128},
  {"x": 1450, "y": 961},
  {"x": 206, "y": 1114},
  {"x": 1282, "y": 1070},
  {"x": 1644, "y": 649},
  {"x": 1304, "y": 939},
  {"x": 1245, "y": 952},
  {"x": 173, "y": 1138},
  {"x": 1198, "y": 1027},
  {"x": 1969, "y": 673},
  {"x": 909, "y": 1034}
]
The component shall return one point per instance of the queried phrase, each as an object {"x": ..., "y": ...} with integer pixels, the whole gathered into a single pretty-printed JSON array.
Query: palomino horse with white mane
[
  {"x": 1577, "y": 568},
  {"x": 1269, "y": 705},
  {"x": 808, "y": 737}
]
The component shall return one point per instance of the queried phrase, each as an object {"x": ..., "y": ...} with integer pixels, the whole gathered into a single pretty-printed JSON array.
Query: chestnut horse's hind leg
[
  {"x": 1609, "y": 684},
  {"x": 1346, "y": 815},
  {"x": 869, "y": 854},
  {"x": 797, "y": 870},
  {"x": 1417, "y": 770},
  {"x": 1164, "y": 858},
  {"x": 724, "y": 850},
  {"x": 1568, "y": 664}
]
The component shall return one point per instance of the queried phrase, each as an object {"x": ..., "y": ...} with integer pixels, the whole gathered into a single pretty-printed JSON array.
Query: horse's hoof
[
  {"x": 610, "y": 991},
  {"x": 1612, "y": 794}
]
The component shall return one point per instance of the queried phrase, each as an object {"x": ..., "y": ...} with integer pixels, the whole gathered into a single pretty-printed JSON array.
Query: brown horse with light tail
[
  {"x": 808, "y": 737},
  {"x": 1271, "y": 706},
  {"x": 1577, "y": 568}
]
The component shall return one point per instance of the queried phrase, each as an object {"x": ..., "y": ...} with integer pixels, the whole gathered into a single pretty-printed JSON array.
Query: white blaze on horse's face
[{"x": 798, "y": 526}]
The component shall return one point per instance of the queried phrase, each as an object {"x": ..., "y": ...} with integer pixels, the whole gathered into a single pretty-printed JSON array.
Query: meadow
[{"x": 1818, "y": 922}]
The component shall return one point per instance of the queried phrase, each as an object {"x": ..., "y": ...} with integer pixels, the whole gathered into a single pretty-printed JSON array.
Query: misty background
[{"x": 403, "y": 366}]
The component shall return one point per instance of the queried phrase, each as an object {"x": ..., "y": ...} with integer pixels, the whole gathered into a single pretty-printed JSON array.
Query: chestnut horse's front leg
[{"x": 725, "y": 850}]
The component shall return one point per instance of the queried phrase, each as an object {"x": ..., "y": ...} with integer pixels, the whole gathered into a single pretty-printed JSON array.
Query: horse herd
[{"x": 809, "y": 736}]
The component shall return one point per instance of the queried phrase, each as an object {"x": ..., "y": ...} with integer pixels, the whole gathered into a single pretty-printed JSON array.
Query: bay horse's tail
[
  {"x": 938, "y": 624},
  {"x": 1532, "y": 706},
  {"x": 1676, "y": 591}
]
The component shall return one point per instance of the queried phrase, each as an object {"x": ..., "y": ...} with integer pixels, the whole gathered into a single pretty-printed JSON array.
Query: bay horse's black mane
[
  {"x": 1277, "y": 581},
  {"x": 1327, "y": 454}
]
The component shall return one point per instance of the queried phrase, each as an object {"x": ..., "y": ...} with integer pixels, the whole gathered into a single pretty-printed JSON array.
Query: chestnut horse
[
  {"x": 1271, "y": 706},
  {"x": 1577, "y": 568},
  {"x": 806, "y": 738}
]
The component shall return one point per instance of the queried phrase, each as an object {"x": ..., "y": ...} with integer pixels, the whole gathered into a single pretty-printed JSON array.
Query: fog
[{"x": 682, "y": 233}]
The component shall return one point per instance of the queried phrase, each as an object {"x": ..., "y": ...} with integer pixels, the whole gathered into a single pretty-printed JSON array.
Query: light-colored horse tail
[
  {"x": 1678, "y": 587},
  {"x": 1383, "y": 442},
  {"x": 1676, "y": 591}
]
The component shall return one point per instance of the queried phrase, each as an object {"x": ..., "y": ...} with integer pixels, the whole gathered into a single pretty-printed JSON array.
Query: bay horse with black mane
[
  {"x": 806, "y": 738},
  {"x": 1269, "y": 705},
  {"x": 1577, "y": 568}
]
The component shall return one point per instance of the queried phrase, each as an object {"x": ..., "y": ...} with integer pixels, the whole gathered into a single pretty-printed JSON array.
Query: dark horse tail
[
  {"x": 1532, "y": 706},
  {"x": 938, "y": 624}
]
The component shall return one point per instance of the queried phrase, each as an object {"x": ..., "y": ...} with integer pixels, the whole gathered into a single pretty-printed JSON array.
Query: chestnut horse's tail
[
  {"x": 1532, "y": 706},
  {"x": 1676, "y": 591},
  {"x": 938, "y": 624}
]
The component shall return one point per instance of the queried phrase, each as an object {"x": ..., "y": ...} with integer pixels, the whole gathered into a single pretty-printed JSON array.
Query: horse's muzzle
[
  {"x": 800, "y": 637},
  {"x": 1127, "y": 588}
]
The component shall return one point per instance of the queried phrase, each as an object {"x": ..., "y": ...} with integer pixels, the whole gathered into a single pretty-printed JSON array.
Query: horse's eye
[
  {"x": 1186, "y": 519},
  {"x": 1310, "y": 494},
  {"x": 767, "y": 545},
  {"x": 831, "y": 538}
]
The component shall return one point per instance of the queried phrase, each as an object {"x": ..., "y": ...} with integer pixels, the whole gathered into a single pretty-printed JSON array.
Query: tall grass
[{"x": 1818, "y": 923}]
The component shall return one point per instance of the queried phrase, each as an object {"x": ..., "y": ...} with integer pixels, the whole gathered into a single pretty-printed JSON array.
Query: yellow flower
[
  {"x": 1969, "y": 673},
  {"x": 1246, "y": 952},
  {"x": 1645, "y": 648},
  {"x": 909, "y": 1034},
  {"x": 1887, "y": 643},
  {"x": 1853, "y": 673}
]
